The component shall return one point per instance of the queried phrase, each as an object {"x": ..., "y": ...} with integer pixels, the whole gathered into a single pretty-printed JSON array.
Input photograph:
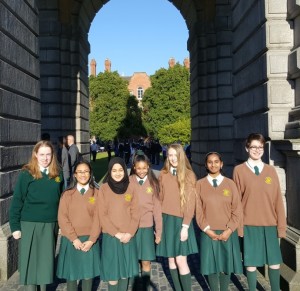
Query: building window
[{"x": 140, "y": 92}]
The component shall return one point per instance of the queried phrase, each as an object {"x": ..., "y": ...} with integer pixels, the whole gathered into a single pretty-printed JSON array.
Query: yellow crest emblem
[
  {"x": 128, "y": 197},
  {"x": 57, "y": 179},
  {"x": 226, "y": 192},
  {"x": 92, "y": 200},
  {"x": 149, "y": 190},
  {"x": 268, "y": 180}
]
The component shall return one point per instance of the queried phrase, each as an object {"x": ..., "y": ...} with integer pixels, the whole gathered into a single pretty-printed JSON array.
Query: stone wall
[
  {"x": 210, "y": 46},
  {"x": 20, "y": 112}
]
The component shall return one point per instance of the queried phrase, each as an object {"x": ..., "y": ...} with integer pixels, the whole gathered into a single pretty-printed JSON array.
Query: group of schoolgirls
[{"x": 137, "y": 212}]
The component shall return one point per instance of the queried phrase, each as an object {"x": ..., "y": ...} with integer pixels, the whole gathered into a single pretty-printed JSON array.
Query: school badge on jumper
[
  {"x": 226, "y": 192},
  {"x": 268, "y": 180},
  {"x": 57, "y": 179},
  {"x": 92, "y": 200},
  {"x": 149, "y": 190},
  {"x": 128, "y": 197}
]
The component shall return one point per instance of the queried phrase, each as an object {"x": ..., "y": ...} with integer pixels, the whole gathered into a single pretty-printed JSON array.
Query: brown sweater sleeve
[
  {"x": 157, "y": 214},
  {"x": 96, "y": 225},
  {"x": 64, "y": 220},
  {"x": 236, "y": 180},
  {"x": 134, "y": 213},
  {"x": 189, "y": 210},
  {"x": 236, "y": 208},
  {"x": 280, "y": 212},
  {"x": 200, "y": 218}
]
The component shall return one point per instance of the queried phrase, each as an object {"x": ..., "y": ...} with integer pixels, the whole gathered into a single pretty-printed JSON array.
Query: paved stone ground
[{"x": 160, "y": 280}]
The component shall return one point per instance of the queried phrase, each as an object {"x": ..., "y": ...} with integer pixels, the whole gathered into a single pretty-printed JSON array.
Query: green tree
[
  {"x": 168, "y": 99},
  {"x": 112, "y": 110},
  {"x": 179, "y": 130}
]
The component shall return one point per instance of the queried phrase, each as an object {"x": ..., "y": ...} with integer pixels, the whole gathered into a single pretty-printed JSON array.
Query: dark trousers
[{"x": 94, "y": 155}]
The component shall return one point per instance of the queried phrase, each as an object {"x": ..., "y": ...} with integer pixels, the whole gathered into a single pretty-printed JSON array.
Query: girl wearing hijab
[{"x": 119, "y": 215}]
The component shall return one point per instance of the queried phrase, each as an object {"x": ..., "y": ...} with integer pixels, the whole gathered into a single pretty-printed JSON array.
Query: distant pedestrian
[
  {"x": 63, "y": 159},
  {"x": 94, "y": 149},
  {"x": 33, "y": 216},
  {"x": 74, "y": 154}
]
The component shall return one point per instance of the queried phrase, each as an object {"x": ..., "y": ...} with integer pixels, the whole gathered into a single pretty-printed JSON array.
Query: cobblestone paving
[{"x": 160, "y": 280}]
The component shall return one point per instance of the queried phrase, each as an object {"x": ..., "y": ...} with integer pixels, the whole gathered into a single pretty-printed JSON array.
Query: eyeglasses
[
  {"x": 82, "y": 172},
  {"x": 256, "y": 148}
]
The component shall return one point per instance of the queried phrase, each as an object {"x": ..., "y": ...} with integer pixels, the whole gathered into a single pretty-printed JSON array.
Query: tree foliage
[
  {"x": 114, "y": 113},
  {"x": 167, "y": 101},
  {"x": 177, "y": 131}
]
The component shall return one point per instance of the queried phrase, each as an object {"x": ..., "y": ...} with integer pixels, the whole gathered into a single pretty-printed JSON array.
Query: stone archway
[{"x": 239, "y": 52}]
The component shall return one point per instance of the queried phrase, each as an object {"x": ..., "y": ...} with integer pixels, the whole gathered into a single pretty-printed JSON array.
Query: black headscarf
[{"x": 117, "y": 187}]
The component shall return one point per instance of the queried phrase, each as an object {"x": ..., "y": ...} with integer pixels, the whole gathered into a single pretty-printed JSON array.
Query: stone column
[
  {"x": 20, "y": 109},
  {"x": 64, "y": 72},
  {"x": 211, "y": 84}
]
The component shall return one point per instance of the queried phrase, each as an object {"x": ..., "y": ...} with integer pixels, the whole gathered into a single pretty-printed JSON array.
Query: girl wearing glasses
[
  {"x": 33, "y": 216},
  {"x": 79, "y": 255},
  {"x": 119, "y": 214},
  {"x": 146, "y": 185},
  {"x": 263, "y": 213},
  {"x": 218, "y": 214},
  {"x": 178, "y": 193}
]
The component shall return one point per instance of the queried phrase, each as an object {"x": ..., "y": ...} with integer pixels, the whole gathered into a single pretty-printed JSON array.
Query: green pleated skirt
[
  {"x": 118, "y": 260},
  {"x": 145, "y": 244},
  {"x": 37, "y": 252},
  {"x": 220, "y": 256},
  {"x": 170, "y": 245},
  {"x": 75, "y": 264},
  {"x": 261, "y": 246}
]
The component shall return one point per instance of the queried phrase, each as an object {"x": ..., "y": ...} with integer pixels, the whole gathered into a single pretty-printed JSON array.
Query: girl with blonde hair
[{"x": 177, "y": 193}]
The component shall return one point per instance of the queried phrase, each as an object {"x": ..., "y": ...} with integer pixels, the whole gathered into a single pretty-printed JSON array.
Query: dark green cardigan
[{"x": 35, "y": 199}]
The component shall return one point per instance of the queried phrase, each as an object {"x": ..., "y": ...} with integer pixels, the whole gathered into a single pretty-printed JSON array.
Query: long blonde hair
[
  {"x": 185, "y": 174},
  {"x": 33, "y": 167}
]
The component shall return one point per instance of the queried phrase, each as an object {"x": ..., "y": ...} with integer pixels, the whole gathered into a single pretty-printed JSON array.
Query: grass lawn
[{"x": 100, "y": 166}]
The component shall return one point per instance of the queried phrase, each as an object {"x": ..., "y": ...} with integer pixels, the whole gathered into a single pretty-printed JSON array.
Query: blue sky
[{"x": 138, "y": 36}]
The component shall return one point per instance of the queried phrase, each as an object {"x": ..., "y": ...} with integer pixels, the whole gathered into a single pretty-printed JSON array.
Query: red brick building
[{"x": 139, "y": 81}]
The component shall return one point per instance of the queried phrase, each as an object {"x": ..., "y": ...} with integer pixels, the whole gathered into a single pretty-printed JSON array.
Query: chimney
[
  {"x": 93, "y": 65},
  {"x": 186, "y": 63},
  {"x": 107, "y": 65},
  {"x": 171, "y": 62}
]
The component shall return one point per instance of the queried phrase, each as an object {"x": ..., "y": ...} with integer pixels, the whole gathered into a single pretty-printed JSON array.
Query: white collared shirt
[
  {"x": 79, "y": 187},
  {"x": 251, "y": 164},
  {"x": 219, "y": 179},
  {"x": 42, "y": 170},
  {"x": 171, "y": 170},
  {"x": 139, "y": 179}
]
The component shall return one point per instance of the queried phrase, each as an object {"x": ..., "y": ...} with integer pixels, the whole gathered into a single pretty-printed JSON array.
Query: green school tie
[
  {"x": 256, "y": 170},
  {"x": 82, "y": 190},
  {"x": 141, "y": 182},
  {"x": 45, "y": 171},
  {"x": 215, "y": 183},
  {"x": 174, "y": 172}
]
